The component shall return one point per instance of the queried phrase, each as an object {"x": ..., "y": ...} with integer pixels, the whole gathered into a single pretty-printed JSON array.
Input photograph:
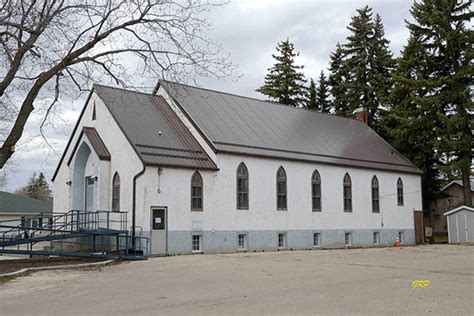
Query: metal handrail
[{"x": 98, "y": 223}]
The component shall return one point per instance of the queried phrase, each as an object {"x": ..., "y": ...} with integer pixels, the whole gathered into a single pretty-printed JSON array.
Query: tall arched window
[
  {"x": 116, "y": 193},
  {"x": 281, "y": 190},
  {"x": 196, "y": 192},
  {"x": 400, "y": 192},
  {"x": 242, "y": 187},
  {"x": 316, "y": 191},
  {"x": 347, "y": 191},
  {"x": 375, "y": 195}
]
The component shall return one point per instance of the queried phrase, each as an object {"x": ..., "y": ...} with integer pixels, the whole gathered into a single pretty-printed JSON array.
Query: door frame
[{"x": 165, "y": 208}]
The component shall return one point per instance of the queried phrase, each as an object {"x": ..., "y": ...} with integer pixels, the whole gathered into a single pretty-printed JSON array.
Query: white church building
[{"x": 206, "y": 171}]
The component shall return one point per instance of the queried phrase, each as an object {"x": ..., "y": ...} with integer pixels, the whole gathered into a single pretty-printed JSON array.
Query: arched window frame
[
  {"x": 316, "y": 191},
  {"x": 347, "y": 193},
  {"x": 400, "y": 197},
  {"x": 281, "y": 190},
  {"x": 242, "y": 192},
  {"x": 375, "y": 195},
  {"x": 197, "y": 201},
  {"x": 116, "y": 193}
]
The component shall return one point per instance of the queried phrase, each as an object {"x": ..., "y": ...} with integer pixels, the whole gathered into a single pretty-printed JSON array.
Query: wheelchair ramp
[{"x": 101, "y": 234}]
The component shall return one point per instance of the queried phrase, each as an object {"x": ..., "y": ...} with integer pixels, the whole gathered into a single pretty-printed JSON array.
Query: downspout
[{"x": 134, "y": 204}]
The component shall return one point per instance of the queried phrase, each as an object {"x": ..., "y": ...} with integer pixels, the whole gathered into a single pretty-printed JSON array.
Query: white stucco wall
[
  {"x": 123, "y": 160},
  {"x": 220, "y": 211}
]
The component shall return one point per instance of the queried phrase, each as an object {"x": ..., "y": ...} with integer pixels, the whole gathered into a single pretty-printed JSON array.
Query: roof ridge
[
  {"x": 260, "y": 100},
  {"x": 123, "y": 89}
]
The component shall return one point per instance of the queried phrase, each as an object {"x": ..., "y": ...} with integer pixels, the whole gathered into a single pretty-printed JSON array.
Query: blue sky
[{"x": 248, "y": 32}]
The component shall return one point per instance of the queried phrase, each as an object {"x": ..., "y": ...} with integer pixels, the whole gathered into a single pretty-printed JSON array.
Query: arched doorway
[{"x": 83, "y": 181}]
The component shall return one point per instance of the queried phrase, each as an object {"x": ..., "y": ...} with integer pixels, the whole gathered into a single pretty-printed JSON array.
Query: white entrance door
[
  {"x": 89, "y": 198},
  {"x": 159, "y": 229},
  {"x": 85, "y": 219}
]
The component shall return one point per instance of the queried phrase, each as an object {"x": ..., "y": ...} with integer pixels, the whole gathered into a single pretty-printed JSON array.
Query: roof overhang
[{"x": 96, "y": 142}]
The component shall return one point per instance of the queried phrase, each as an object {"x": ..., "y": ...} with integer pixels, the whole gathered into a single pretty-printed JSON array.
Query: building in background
[
  {"x": 451, "y": 198},
  {"x": 15, "y": 206}
]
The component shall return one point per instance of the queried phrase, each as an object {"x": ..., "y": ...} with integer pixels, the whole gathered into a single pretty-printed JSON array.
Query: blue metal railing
[{"x": 102, "y": 231}]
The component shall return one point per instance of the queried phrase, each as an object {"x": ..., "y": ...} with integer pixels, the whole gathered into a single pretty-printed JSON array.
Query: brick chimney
[{"x": 362, "y": 115}]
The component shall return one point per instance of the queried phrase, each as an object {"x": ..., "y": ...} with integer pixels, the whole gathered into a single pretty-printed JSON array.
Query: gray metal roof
[
  {"x": 18, "y": 204},
  {"x": 242, "y": 125},
  {"x": 154, "y": 130}
]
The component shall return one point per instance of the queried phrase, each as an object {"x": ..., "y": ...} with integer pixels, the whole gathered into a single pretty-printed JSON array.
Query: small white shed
[{"x": 460, "y": 225}]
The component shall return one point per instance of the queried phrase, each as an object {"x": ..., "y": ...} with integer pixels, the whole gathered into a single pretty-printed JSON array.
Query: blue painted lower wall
[{"x": 219, "y": 241}]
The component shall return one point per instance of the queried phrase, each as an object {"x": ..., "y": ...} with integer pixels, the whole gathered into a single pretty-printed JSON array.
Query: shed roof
[
  {"x": 242, "y": 125},
  {"x": 18, "y": 204},
  {"x": 154, "y": 130},
  {"x": 458, "y": 209}
]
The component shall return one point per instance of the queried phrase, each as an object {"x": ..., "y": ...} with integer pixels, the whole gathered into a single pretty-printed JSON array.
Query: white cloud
[{"x": 248, "y": 30}]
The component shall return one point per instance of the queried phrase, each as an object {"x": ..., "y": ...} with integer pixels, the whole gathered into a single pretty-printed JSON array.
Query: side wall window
[
  {"x": 375, "y": 195},
  {"x": 116, "y": 193},
  {"x": 400, "y": 192},
  {"x": 347, "y": 192},
  {"x": 281, "y": 190},
  {"x": 242, "y": 187},
  {"x": 196, "y": 192},
  {"x": 316, "y": 191}
]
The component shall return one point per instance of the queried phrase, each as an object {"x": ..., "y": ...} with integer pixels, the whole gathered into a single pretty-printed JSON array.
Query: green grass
[{"x": 5, "y": 279}]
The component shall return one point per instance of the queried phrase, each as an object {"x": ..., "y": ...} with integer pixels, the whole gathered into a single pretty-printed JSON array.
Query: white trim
[
  {"x": 449, "y": 233},
  {"x": 457, "y": 228},
  {"x": 460, "y": 208},
  {"x": 465, "y": 228}
]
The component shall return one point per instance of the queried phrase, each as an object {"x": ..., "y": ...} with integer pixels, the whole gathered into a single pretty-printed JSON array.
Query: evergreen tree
[
  {"x": 322, "y": 95},
  {"x": 284, "y": 82},
  {"x": 37, "y": 188},
  {"x": 429, "y": 121},
  {"x": 443, "y": 29},
  {"x": 339, "y": 75},
  {"x": 382, "y": 67},
  {"x": 311, "y": 102},
  {"x": 361, "y": 69},
  {"x": 413, "y": 124}
]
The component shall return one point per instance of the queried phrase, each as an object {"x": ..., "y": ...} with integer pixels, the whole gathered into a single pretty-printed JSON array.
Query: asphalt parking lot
[{"x": 354, "y": 281}]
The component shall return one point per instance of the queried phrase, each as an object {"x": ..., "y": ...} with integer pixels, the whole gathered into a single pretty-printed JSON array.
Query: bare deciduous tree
[{"x": 53, "y": 48}]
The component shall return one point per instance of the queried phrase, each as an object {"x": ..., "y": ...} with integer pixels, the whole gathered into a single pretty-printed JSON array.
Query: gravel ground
[{"x": 375, "y": 281}]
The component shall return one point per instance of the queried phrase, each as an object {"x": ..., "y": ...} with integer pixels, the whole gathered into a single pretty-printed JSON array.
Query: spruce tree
[
  {"x": 37, "y": 188},
  {"x": 339, "y": 75},
  {"x": 443, "y": 29},
  {"x": 361, "y": 69},
  {"x": 311, "y": 102},
  {"x": 429, "y": 121},
  {"x": 284, "y": 82},
  {"x": 413, "y": 124},
  {"x": 322, "y": 95},
  {"x": 382, "y": 66}
]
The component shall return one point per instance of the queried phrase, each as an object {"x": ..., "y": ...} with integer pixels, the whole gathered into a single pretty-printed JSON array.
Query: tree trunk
[{"x": 466, "y": 187}]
